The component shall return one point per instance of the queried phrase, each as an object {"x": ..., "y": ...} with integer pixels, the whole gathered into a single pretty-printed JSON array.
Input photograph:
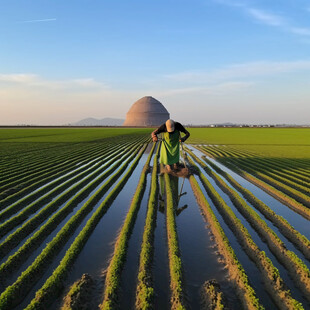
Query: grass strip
[
  {"x": 15, "y": 260},
  {"x": 271, "y": 276},
  {"x": 80, "y": 159},
  {"x": 297, "y": 269},
  {"x": 281, "y": 168},
  {"x": 175, "y": 263},
  {"x": 297, "y": 164},
  {"x": 301, "y": 242},
  {"x": 55, "y": 204},
  {"x": 20, "y": 187},
  {"x": 16, "y": 292},
  {"x": 80, "y": 294},
  {"x": 213, "y": 298},
  {"x": 48, "y": 158},
  {"x": 145, "y": 291},
  {"x": 54, "y": 284},
  {"x": 237, "y": 274},
  {"x": 297, "y": 195},
  {"x": 22, "y": 166},
  {"x": 114, "y": 271},
  {"x": 292, "y": 182},
  {"x": 35, "y": 175},
  {"x": 57, "y": 187},
  {"x": 285, "y": 199},
  {"x": 56, "y": 190}
]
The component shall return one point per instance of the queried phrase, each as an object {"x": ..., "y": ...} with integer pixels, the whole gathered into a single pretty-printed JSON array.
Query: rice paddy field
[{"x": 87, "y": 221}]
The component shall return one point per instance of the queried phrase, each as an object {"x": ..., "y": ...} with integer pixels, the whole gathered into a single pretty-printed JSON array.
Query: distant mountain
[{"x": 99, "y": 122}]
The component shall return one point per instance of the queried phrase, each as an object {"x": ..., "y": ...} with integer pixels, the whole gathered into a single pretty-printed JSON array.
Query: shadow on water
[
  {"x": 161, "y": 261},
  {"x": 200, "y": 259}
]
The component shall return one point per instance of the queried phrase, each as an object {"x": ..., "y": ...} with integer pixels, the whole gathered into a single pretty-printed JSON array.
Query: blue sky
[{"x": 206, "y": 61}]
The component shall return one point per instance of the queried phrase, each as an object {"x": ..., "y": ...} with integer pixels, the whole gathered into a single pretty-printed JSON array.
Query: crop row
[
  {"x": 276, "y": 166},
  {"x": 16, "y": 292},
  {"x": 283, "y": 167},
  {"x": 25, "y": 153},
  {"x": 296, "y": 194},
  {"x": 53, "y": 170},
  {"x": 113, "y": 275},
  {"x": 46, "y": 186},
  {"x": 52, "y": 206},
  {"x": 284, "y": 198},
  {"x": 260, "y": 170},
  {"x": 272, "y": 166},
  {"x": 213, "y": 298},
  {"x": 78, "y": 156},
  {"x": 14, "y": 207},
  {"x": 175, "y": 263},
  {"x": 145, "y": 291},
  {"x": 237, "y": 274},
  {"x": 26, "y": 161},
  {"x": 289, "y": 259},
  {"x": 56, "y": 153},
  {"x": 22, "y": 186},
  {"x": 273, "y": 282},
  {"x": 54, "y": 284},
  {"x": 48, "y": 168},
  {"x": 286, "y": 229},
  {"x": 299, "y": 164},
  {"x": 32, "y": 243}
]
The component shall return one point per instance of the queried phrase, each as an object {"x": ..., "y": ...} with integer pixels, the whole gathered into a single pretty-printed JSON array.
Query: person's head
[{"x": 170, "y": 125}]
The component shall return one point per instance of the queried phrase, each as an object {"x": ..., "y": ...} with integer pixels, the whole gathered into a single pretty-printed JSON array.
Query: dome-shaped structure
[{"x": 147, "y": 111}]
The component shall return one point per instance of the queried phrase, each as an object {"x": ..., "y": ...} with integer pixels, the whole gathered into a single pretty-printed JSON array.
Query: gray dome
[{"x": 147, "y": 111}]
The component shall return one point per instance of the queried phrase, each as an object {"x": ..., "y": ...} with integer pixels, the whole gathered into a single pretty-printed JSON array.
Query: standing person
[{"x": 170, "y": 148}]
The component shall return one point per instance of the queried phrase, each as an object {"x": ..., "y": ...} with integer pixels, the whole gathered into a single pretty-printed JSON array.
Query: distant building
[{"x": 147, "y": 111}]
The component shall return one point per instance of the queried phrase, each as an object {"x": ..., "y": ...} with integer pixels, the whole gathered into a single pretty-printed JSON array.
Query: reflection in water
[{"x": 174, "y": 181}]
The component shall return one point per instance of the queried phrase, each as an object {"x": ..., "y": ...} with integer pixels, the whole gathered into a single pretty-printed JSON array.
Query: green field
[
  {"x": 16, "y": 141},
  {"x": 63, "y": 134},
  {"x": 87, "y": 211},
  {"x": 270, "y": 142}
]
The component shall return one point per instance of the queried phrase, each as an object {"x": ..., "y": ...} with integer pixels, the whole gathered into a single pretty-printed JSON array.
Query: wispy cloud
[
  {"x": 300, "y": 31},
  {"x": 38, "y": 20},
  {"x": 267, "y": 18},
  {"x": 220, "y": 88},
  {"x": 240, "y": 71},
  {"x": 18, "y": 78},
  {"x": 34, "y": 80}
]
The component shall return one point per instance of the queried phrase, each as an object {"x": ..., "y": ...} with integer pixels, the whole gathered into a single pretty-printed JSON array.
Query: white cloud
[
  {"x": 38, "y": 20},
  {"x": 242, "y": 70},
  {"x": 220, "y": 88},
  {"x": 266, "y": 18},
  {"x": 225, "y": 94},
  {"x": 35, "y": 81},
  {"x": 232, "y": 3},
  {"x": 300, "y": 31},
  {"x": 18, "y": 78}
]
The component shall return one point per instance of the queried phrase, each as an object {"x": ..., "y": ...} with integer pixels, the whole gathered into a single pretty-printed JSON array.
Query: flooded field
[{"x": 235, "y": 231}]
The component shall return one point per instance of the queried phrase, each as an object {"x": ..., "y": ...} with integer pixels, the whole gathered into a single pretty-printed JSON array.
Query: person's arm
[
  {"x": 157, "y": 131},
  {"x": 181, "y": 128}
]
